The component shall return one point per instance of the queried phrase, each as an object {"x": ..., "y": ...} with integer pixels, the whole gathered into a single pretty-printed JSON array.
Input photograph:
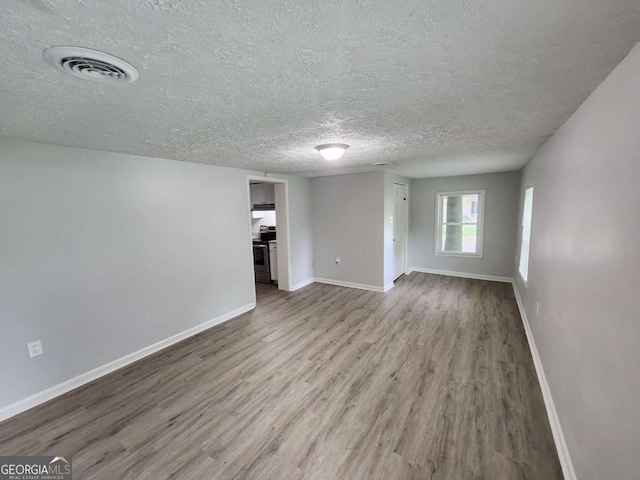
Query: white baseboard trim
[
  {"x": 340, "y": 283},
  {"x": 475, "y": 276},
  {"x": 556, "y": 429},
  {"x": 84, "y": 378},
  {"x": 300, "y": 285}
]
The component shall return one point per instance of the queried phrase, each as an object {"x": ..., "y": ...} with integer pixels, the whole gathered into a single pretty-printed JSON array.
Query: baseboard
[
  {"x": 340, "y": 283},
  {"x": 300, "y": 285},
  {"x": 475, "y": 276},
  {"x": 82, "y": 379},
  {"x": 556, "y": 429}
]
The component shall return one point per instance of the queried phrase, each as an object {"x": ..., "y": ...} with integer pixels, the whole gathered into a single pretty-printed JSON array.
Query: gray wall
[
  {"x": 500, "y": 227},
  {"x": 583, "y": 271},
  {"x": 348, "y": 223},
  {"x": 300, "y": 229},
  {"x": 103, "y": 254}
]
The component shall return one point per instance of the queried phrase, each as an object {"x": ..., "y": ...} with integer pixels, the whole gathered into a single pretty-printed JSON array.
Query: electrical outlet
[
  {"x": 35, "y": 348},
  {"x": 337, "y": 260},
  {"x": 537, "y": 308}
]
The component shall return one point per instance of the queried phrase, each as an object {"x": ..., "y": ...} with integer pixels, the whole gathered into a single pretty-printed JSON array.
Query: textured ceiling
[{"x": 434, "y": 87}]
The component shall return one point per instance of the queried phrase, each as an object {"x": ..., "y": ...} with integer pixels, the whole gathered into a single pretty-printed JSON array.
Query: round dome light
[{"x": 332, "y": 151}]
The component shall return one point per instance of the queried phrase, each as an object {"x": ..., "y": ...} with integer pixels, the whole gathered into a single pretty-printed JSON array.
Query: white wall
[
  {"x": 268, "y": 218},
  {"x": 103, "y": 254},
  {"x": 501, "y": 216},
  {"x": 389, "y": 195},
  {"x": 583, "y": 271},
  {"x": 348, "y": 223}
]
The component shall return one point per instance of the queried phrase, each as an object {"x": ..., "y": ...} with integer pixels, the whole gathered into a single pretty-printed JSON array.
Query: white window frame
[
  {"x": 480, "y": 225},
  {"x": 525, "y": 278}
]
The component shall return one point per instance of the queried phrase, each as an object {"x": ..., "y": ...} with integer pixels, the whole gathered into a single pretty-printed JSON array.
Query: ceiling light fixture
[{"x": 332, "y": 151}]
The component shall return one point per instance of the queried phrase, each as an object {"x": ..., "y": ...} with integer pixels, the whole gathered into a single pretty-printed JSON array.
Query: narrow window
[
  {"x": 459, "y": 223},
  {"x": 526, "y": 233}
]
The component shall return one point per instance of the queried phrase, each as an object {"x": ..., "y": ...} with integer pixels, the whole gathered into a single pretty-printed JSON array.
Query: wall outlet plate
[
  {"x": 35, "y": 348},
  {"x": 337, "y": 260}
]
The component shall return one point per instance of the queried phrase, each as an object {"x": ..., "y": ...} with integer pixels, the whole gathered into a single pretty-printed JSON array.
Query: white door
[{"x": 399, "y": 229}]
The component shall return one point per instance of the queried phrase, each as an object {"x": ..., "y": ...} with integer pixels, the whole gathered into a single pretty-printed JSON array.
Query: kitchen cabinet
[
  {"x": 262, "y": 193},
  {"x": 269, "y": 193}
]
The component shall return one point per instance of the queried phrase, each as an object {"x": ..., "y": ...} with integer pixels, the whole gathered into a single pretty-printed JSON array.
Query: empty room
[{"x": 319, "y": 240}]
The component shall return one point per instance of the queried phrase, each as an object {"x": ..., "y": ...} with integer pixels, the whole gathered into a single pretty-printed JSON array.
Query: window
[
  {"x": 527, "y": 211},
  {"x": 459, "y": 223}
]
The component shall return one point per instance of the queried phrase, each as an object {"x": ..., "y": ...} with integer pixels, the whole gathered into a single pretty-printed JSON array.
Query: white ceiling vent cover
[{"x": 90, "y": 64}]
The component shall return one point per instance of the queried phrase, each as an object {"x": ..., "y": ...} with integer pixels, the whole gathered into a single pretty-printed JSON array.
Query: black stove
[{"x": 266, "y": 237}]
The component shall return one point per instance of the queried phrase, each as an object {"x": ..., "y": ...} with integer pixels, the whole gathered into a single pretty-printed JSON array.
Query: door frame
[
  {"x": 282, "y": 212},
  {"x": 406, "y": 236}
]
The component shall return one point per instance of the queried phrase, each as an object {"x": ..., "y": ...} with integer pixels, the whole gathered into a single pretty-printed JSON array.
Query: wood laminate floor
[{"x": 432, "y": 380}]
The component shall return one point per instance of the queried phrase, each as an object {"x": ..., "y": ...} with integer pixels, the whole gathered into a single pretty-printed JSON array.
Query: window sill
[{"x": 462, "y": 255}]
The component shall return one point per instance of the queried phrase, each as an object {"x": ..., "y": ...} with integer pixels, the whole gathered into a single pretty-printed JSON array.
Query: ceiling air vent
[{"x": 90, "y": 64}]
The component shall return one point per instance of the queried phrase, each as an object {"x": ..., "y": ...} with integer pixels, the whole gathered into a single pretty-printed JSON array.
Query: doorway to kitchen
[{"x": 269, "y": 233}]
